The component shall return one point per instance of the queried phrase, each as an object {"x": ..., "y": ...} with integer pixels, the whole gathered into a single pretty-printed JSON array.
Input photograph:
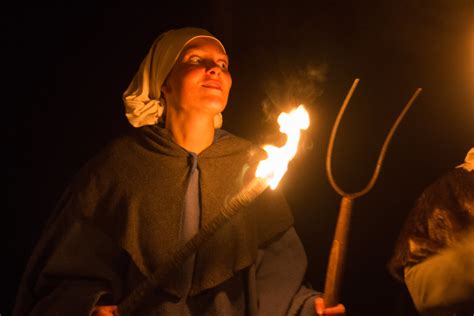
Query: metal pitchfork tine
[{"x": 338, "y": 249}]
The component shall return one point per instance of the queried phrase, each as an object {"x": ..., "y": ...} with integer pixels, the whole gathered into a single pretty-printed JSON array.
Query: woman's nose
[{"x": 213, "y": 68}]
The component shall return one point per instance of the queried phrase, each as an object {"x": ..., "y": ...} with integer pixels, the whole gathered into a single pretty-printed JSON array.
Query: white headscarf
[
  {"x": 468, "y": 161},
  {"x": 142, "y": 99}
]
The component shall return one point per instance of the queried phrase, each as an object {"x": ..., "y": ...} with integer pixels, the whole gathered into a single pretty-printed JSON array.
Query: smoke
[
  {"x": 287, "y": 89},
  {"x": 290, "y": 88}
]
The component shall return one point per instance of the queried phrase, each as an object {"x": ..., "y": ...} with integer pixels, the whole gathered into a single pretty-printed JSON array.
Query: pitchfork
[{"x": 338, "y": 250}]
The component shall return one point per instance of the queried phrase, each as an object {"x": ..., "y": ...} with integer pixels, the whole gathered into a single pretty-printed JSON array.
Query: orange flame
[{"x": 274, "y": 167}]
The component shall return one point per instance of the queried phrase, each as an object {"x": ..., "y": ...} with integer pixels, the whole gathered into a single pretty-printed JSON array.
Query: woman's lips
[{"x": 212, "y": 85}]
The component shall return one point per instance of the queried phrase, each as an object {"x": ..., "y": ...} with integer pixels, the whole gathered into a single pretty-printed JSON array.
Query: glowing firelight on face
[{"x": 274, "y": 167}]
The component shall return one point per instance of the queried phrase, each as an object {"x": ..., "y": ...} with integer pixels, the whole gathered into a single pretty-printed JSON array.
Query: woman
[{"x": 148, "y": 192}]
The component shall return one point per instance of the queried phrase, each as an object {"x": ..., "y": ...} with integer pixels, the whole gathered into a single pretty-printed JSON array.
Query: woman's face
[{"x": 200, "y": 80}]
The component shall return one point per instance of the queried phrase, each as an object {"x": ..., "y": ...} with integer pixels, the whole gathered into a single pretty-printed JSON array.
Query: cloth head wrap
[
  {"x": 468, "y": 161},
  {"x": 142, "y": 99}
]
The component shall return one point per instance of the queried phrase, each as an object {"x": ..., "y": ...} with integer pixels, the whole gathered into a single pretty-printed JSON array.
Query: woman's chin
[{"x": 215, "y": 106}]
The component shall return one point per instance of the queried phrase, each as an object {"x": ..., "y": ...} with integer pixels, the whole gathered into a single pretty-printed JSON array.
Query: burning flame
[{"x": 274, "y": 167}]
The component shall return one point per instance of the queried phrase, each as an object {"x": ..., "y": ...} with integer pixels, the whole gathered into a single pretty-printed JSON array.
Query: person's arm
[
  {"x": 85, "y": 270},
  {"x": 444, "y": 282}
]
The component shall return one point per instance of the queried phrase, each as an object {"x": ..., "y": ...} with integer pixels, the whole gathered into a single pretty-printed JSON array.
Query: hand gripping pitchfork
[{"x": 336, "y": 260}]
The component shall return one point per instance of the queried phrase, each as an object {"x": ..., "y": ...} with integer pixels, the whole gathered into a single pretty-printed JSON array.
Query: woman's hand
[
  {"x": 321, "y": 308},
  {"x": 110, "y": 310}
]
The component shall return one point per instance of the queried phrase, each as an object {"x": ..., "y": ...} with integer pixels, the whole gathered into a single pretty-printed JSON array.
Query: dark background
[{"x": 67, "y": 66}]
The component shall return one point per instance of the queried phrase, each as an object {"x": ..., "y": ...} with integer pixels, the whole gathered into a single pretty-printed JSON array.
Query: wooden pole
[{"x": 337, "y": 255}]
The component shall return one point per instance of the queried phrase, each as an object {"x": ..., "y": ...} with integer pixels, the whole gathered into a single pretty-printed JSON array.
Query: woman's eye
[
  {"x": 223, "y": 66},
  {"x": 195, "y": 60}
]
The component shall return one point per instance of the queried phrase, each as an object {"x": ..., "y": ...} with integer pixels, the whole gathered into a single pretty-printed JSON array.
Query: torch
[
  {"x": 337, "y": 255},
  {"x": 269, "y": 172}
]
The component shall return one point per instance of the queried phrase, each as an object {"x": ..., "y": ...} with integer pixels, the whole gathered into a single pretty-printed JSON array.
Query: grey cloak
[{"x": 121, "y": 218}]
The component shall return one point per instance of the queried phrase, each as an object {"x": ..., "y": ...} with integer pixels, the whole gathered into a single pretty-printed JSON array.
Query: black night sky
[{"x": 67, "y": 66}]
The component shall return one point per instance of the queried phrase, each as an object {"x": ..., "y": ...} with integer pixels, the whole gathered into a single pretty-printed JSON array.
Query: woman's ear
[
  {"x": 162, "y": 116},
  {"x": 165, "y": 88}
]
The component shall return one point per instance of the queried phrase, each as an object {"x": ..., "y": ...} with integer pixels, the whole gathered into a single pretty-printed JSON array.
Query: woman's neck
[{"x": 192, "y": 132}]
